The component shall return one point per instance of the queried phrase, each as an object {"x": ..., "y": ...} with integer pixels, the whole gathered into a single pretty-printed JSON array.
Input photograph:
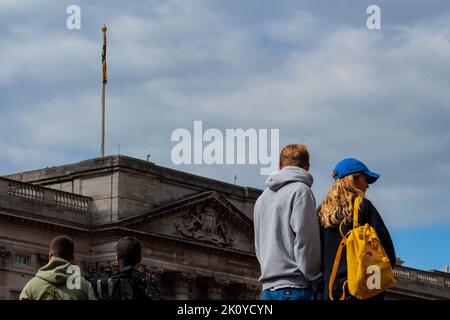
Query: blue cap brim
[{"x": 372, "y": 176}]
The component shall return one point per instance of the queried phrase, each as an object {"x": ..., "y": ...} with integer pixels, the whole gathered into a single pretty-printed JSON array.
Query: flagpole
[{"x": 102, "y": 146}]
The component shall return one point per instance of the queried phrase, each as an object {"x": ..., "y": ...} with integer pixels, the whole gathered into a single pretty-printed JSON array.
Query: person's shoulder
[
  {"x": 367, "y": 204},
  {"x": 368, "y": 210},
  {"x": 35, "y": 281},
  {"x": 139, "y": 274},
  {"x": 296, "y": 185},
  {"x": 32, "y": 288},
  {"x": 302, "y": 190},
  {"x": 25, "y": 294}
]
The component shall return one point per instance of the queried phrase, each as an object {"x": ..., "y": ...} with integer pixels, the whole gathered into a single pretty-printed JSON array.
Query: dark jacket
[
  {"x": 127, "y": 284},
  {"x": 331, "y": 238}
]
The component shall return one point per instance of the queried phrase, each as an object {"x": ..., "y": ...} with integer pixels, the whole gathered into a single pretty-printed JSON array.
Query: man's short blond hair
[{"x": 294, "y": 155}]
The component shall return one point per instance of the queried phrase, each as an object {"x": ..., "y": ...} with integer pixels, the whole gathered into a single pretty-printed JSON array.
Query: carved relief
[
  {"x": 5, "y": 254},
  {"x": 204, "y": 224}
]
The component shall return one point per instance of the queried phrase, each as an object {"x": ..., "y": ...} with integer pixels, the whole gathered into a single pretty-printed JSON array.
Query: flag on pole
[{"x": 104, "y": 54}]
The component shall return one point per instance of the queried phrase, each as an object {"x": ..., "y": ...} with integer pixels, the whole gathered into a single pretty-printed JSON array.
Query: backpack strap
[
  {"x": 337, "y": 259},
  {"x": 355, "y": 212}
]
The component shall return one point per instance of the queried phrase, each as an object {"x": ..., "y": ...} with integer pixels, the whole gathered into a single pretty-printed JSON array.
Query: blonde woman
[{"x": 352, "y": 179}]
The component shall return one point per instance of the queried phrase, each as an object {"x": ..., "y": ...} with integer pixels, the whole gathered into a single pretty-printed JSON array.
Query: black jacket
[
  {"x": 331, "y": 238},
  {"x": 128, "y": 284}
]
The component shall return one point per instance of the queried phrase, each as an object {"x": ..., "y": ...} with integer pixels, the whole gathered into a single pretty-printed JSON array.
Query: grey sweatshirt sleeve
[
  {"x": 256, "y": 228},
  {"x": 305, "y": 224}
]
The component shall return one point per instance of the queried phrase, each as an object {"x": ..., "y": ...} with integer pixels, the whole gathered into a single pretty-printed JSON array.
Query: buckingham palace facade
[{"x": 197, "y": 233}]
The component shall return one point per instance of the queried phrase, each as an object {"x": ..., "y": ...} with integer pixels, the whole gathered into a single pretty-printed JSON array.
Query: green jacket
[{"x": 51, "y": 283}]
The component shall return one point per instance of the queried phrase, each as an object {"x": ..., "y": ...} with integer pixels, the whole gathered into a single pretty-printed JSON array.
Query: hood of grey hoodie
[{"x": 287, "y": 175}]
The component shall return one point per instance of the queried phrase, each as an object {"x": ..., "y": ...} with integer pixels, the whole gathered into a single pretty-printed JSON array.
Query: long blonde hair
[{"x": 338, "y": 203}]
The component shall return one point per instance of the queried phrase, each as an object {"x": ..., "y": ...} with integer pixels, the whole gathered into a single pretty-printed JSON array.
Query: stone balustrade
[
  {"x": 425, "y": 278},
  {"x": 447, "y": 283},
  {"x": 71, "y": 201},
  {"x": 41, "y": 195},
  {"x": 430, "y": 278},
  {"x": 429, "y": 283},
  {"x": 401, "y": 273},
  {"x": 23, "y": 190}
]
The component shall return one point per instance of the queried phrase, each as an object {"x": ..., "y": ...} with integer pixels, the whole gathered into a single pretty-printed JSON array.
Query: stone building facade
[{"x": 197, "y": 233}]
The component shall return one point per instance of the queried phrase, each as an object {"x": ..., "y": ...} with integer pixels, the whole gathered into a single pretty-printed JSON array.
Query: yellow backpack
[{"x": 369, "y": 271}]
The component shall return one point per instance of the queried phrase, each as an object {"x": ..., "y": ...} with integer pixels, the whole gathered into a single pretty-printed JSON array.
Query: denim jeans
[{"x": 288, "y": 294}]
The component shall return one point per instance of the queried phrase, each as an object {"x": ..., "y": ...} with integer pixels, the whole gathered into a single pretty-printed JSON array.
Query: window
[{"x": 22, "y": 260}]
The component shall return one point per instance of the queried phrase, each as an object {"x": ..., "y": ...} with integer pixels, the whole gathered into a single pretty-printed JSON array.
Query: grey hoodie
[{"x": 287, "y": 233}]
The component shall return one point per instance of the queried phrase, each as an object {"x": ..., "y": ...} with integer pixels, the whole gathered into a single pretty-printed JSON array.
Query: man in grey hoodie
[{"x": 287, "y": 230}]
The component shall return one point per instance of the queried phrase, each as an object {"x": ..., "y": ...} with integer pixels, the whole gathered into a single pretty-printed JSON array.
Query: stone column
[
  {"x": 252, "y": 292},
  {"x": 216, "y": 288},
  {"x": 184, "y": 283},
  {"x": 5, "y": 254}
]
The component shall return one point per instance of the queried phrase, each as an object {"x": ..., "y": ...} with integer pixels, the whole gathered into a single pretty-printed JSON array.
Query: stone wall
[{"x": 121, "y": 186}]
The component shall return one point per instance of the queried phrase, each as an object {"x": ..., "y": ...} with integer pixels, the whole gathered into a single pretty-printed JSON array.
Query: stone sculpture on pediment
[{"x": 204, "y": 224}]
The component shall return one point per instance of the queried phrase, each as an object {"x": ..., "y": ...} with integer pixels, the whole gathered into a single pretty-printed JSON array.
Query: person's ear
[
  {"x": 50, "y": 255},
  {"x": 307, "y": 167},
  {"x": 280, "y": 165}
]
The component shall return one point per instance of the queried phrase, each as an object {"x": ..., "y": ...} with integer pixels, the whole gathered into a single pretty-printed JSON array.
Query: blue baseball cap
[{"x": 352, "y": 165}]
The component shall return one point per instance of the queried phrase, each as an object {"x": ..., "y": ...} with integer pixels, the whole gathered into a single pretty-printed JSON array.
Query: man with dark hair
[
  {"x": 287, "y": 233},
  {"x": 59, "y": 279},
  {"x": 129, "y": 283},
  {"x": 129, "y": 251},
  {"x": 62, "y": 247}
]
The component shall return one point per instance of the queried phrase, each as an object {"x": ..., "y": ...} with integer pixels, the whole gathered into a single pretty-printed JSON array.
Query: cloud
[{"x": 380, "y": 96}]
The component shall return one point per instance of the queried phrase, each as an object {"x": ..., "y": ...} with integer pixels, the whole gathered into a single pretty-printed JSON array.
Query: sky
[{"x": 311, "y": 69}]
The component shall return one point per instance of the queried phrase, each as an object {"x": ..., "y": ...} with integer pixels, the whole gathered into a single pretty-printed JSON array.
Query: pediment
[{"x": 207, "y": 219}]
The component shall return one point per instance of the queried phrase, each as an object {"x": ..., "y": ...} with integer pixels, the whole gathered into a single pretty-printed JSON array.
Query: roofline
[{"x": 90, "y": 166}]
